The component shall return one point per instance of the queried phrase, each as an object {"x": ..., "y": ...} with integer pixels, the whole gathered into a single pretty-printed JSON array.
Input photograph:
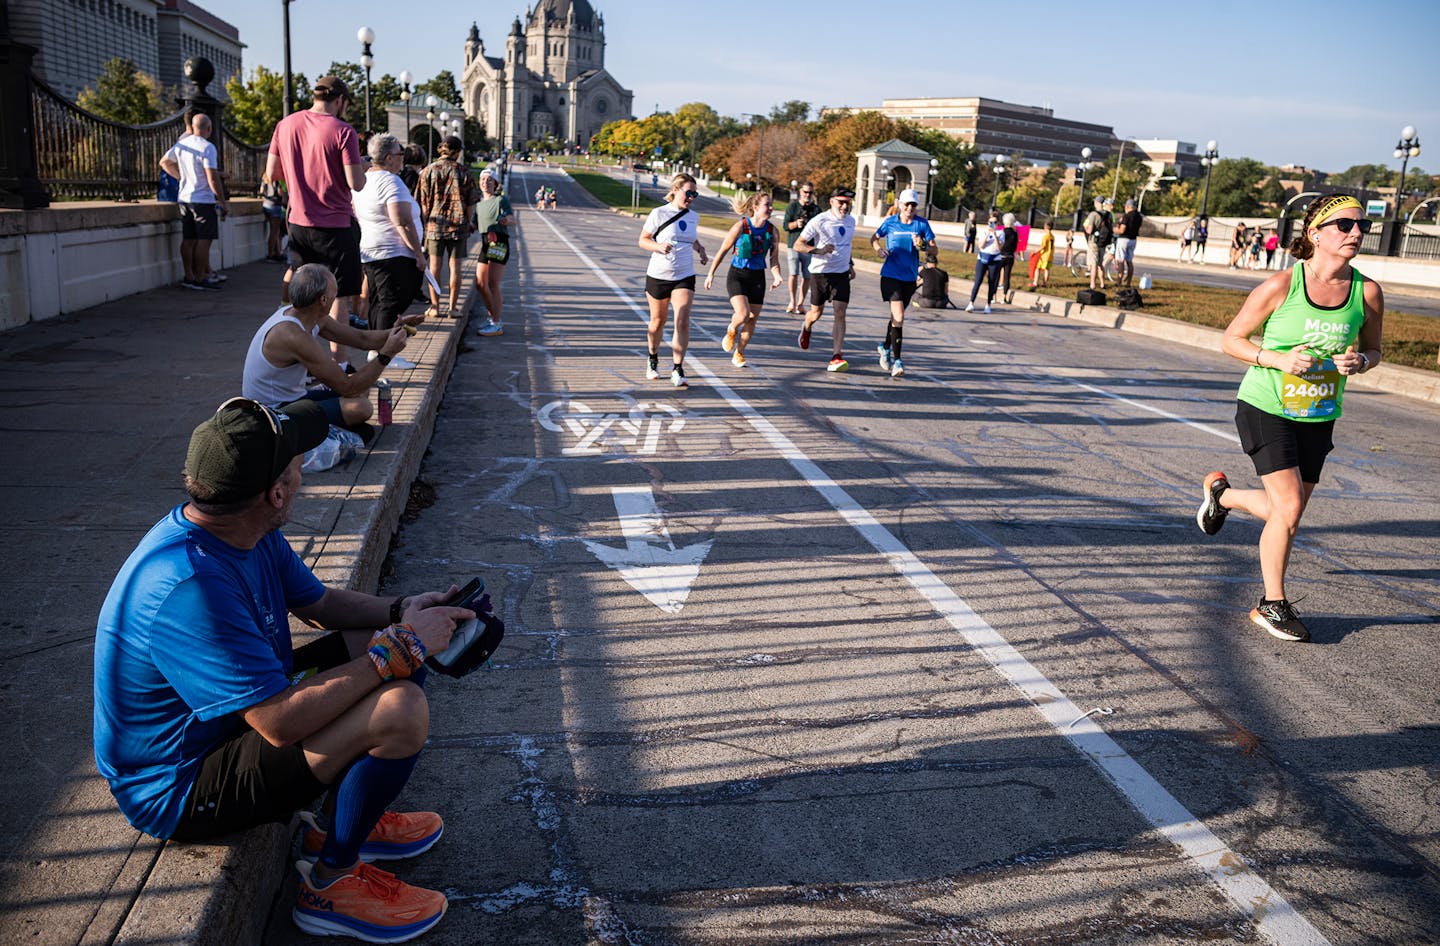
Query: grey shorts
[
  {"x": 799, "y": 263},
  {"x": 1125, "y": 249}
]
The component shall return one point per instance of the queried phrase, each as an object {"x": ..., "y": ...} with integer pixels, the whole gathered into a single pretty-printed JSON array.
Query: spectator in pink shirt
[{"x": 317, "y": 154}]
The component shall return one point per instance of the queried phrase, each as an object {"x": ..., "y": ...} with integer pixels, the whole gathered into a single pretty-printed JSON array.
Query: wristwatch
[
  {"x": 1364, "y": 362},
  {"x": 383, "y": 358}
]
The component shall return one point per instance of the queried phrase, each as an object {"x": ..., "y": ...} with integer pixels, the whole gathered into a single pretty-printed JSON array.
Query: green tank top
[{"x": 1316, "y": 394}]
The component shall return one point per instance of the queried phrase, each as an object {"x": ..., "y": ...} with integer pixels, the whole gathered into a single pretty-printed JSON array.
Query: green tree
[
  {"x": 255, "y": 103},
  {"x": 352, "y": 74},
  {"x": 1180, "y": 200},
  {"x": 1362, "y": 175},
  {"x": 791, "y": 111},
  {"x": 123, "y": 94},
  {"x": 475, "y": 141},
  {"x": 1233, "y": 187},
  {"x": 442, "y": 86}
]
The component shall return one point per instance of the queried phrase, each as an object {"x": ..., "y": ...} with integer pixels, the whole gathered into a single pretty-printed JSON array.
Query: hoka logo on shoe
[{"x": 314, "y": 901}]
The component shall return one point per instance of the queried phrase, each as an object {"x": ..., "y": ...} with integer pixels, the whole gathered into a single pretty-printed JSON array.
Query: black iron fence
[{"x": 81, "y": 156}]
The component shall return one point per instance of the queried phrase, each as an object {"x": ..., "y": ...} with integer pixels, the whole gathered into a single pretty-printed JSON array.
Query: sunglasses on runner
[
  {"x": 1346, "y": 224},
  {"x": 687, "y": 195}
]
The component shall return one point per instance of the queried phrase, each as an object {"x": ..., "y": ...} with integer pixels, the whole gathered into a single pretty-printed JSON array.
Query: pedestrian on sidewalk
[
  {"x": 1127, "y": 233},
  {"x": 1009, "y": 245},
  {"x": 900, "y": 241},
  {"x": 288, "y": 346},
  {"x": 798, "y": 212},
  {"x": 390, "y": 236},
  {"x": 317, "y": 154},
  {"x": 447, "y": 195},
  {"x": 209, "y": 721},
  {"x": 493, "y": 215},
  {"x": 194, "y": 162},
  {"x": 1099, "y": 231},
  {"x": 1043, "y": 259},
  {"x": 1187, "y": 243},
  {"x": 1272, "y": 243},
  {"x": 670, "y": 235},
  {"x": 971, "y": 228},
  {"x": 1311, "y": 321},
  {"x": 828, "y": 238},
  {"x": 1239, "y": 240},
  {"x": 1202, "y": 234},
  {"x": 273, "y": 203},
  {"x": 987, "y": 264},
  {"x": 753, "y": 245}
]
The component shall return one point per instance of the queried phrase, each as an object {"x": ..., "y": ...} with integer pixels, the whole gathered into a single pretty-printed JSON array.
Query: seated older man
[
  {"x": 208, "y": 720},
  {"x": 287, "y": 347}
]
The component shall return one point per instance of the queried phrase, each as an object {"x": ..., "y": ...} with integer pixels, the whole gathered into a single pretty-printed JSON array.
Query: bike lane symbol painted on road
[{"x": 639, "y": 428}]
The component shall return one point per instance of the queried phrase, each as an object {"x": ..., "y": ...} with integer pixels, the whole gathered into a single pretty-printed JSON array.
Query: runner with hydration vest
[{"x": 755, "y": 248}]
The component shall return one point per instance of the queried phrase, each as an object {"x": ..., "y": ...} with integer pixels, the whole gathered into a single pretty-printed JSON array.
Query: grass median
[{"x": 1411, "y": 340}]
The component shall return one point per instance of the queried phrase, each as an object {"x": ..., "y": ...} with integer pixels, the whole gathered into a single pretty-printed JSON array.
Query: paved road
[{"x": 849, "y": 709}]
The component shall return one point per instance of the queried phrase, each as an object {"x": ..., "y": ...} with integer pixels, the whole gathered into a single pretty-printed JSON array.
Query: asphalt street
[{"x": 801, "y": 657}]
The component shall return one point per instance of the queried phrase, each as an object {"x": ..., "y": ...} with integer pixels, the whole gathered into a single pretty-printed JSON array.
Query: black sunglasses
[
  {"x": 688, "y": 195},
  {"x": 1346, "y": 224}
]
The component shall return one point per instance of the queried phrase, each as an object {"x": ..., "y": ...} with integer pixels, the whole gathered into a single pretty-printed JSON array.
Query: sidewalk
[{"x": 98, "y": 411}]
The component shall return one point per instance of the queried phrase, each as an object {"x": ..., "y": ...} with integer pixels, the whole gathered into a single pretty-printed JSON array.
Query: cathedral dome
[{"x": 558, "y": 11}]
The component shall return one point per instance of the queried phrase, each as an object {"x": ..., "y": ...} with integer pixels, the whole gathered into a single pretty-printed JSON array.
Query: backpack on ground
[
  {"x": 1128, "y": 298},
  {"x": 934, "y": 290},
  {"x": 1090, "y": 297}
]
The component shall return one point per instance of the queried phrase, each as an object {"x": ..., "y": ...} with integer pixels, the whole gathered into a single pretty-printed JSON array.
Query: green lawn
[{"x": 611, "y": 192}]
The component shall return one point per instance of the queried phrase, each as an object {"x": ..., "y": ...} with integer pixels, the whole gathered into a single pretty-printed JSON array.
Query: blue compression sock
[{"x": 361, "y": 796}]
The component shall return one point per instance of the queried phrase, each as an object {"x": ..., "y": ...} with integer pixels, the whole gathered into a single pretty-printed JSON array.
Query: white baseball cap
[{"x": 909, "y": 196}]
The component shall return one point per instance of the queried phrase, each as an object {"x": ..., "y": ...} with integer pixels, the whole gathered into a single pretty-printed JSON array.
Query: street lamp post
[
  {"x": 430, "y": 103},
  {"x": 1208, "y": 161},
  {"x": 930, "y": 185},
  {"x": 1080, "y": 176},
  {"x": 1115, "y": 188},
  {"x": 1406, "y": 148},
  {"x": 366, "y": 36},
  {"x": 289, "y": 104},
  {"x": 405, "y": 79},
  {"x": 999, "y": 168},
  {"x": 1140, "y": 202}
]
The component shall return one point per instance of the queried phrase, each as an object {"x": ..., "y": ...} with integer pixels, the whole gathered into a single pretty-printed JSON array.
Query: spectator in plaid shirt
[{"x": 447, "y": 195}]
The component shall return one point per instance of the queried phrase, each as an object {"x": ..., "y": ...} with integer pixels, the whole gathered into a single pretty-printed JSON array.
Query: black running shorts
[
  {"x": 1279, "y": 443},
  {"x": 661, "y": 288},
  {"x": 335, "y": 248},
  {"x": 829, "y": 287},
  {"x": 199, "y": 222},
  {"x": 243, "y": 782},
  {"x": 749, "y": 283},
  {"x": 896, "y": 290}
]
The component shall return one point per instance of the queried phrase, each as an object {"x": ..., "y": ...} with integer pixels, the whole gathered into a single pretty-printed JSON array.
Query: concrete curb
[{"x": 221, "y": 894}]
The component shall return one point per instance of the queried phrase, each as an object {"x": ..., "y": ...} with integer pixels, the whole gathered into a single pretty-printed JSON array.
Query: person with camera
[{"x": 209, "y": 721}]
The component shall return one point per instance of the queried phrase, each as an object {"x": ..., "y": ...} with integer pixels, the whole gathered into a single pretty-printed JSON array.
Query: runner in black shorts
[
  {"x": 901, "y": 240},
  {"x": 756, "y": 244},
  {"x": 827, "y": 237},
  {"x": 335, "y": 248},
  {"x": 1319, "y": 323},
  {"x": 669, "y": 234}
]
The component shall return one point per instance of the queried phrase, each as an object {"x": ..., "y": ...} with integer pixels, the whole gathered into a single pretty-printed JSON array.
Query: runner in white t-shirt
[
  {"x": 670, "y": 234},
  {"x": 827, "y": 239}
]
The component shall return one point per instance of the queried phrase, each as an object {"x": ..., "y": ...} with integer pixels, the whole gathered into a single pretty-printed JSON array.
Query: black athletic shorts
[
  {"x": 199, "y": 222},
  {"x": 829, "y": 287},
  {"x": 335, "y": 248},
  {"x": 1279, "y": 443},
  {"x": 896, "y": 290},
  {"x": 661, "y": 288},
  {"x": 749, "y": 283},
  {"x": 244, "y": 782},
  {"x": 393, "y": 284}
]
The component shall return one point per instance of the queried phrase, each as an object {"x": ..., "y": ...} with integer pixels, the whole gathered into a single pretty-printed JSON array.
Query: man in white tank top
[{"x": 288, "y": 346}]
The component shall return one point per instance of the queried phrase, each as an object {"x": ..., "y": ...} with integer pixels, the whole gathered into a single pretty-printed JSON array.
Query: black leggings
[{"x": 990, "y": 272}]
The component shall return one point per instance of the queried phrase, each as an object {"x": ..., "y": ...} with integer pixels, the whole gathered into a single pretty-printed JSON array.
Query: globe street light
[
  {"x": 1406, "y": 148},
  {"x": 430, "y": 103},
  {"x": 930, "y": 184},
  {"x": 366, "y": 36},
  {"x": 1208, "y": 161},
  {"x": 1080, "y": 177},
  {"x": 405, "y": 79},
  {"x": 999, "y": 168}
]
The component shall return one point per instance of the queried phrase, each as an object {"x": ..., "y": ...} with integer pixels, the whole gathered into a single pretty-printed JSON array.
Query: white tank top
[{"x": 263, "y": 381}]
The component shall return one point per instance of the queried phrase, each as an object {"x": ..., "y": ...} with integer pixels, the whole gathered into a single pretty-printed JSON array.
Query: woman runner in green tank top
[{"x": 1319, "y": 324}]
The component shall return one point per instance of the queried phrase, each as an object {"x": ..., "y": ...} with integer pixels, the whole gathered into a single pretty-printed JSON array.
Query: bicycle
[{"x": 1109, "y": 267}]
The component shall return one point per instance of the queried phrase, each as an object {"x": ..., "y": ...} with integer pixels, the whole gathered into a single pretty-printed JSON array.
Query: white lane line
[
  {"x": 1275, "y": 919},
  {"x": 1203, "y": 428}
]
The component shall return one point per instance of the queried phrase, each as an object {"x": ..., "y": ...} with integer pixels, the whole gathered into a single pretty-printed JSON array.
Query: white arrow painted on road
[{"x": 660, "y": 572}]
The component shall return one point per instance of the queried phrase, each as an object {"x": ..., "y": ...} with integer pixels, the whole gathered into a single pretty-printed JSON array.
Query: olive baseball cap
[{"x": 245, "y": 446}]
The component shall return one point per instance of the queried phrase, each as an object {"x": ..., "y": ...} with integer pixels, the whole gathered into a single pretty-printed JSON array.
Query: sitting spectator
[
  {"x": 389, "y": 235},
  {"x": 209, "y": 721},
  {"x": 287, "y": 347},
  {"x": 447, "y": 195}
]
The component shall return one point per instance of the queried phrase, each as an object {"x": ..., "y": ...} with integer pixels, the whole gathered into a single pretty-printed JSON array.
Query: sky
[{"x": 1324, "y": 84}]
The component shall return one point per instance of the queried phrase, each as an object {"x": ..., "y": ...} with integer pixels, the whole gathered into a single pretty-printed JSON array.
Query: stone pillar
[{"x": 20, "y": 187}]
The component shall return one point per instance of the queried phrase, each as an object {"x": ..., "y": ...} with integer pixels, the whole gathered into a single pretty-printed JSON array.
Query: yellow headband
[{"x": 1332, "y": 206}]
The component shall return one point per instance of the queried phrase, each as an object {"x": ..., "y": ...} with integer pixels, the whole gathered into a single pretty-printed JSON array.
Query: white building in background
[
  {"x": 75, "y": 39},
  {"x": 551, "y": 82}
]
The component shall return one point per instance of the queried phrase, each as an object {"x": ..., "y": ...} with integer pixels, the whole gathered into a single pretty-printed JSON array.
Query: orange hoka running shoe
[
  {"x": 367, "y": 903},
  {"x": 397, "y": 834}
]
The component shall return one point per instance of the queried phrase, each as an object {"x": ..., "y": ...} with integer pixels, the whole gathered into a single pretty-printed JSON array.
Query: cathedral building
[{"x": 551, "y": 82}]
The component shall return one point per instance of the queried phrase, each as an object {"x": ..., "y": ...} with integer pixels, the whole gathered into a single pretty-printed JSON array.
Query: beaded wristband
[{"x": 396, "y": 652}]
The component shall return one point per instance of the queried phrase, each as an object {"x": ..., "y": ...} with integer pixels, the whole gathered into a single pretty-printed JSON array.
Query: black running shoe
[
  {"x": 1280, "y": 620},
  {"x": 1211, "y": 515}
]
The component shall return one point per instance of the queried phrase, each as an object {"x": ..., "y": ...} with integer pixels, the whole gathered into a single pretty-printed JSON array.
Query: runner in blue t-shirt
[{"x": 899, "y": 241}]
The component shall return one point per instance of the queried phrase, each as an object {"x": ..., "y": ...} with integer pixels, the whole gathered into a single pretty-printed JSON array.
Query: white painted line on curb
[{"x": 1272, "y": 915}]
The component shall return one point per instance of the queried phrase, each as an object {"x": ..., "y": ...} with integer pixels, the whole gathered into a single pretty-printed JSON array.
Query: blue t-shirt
[
  {"x": 902, "y": 260},
  {"x": 192, "y": 632}
]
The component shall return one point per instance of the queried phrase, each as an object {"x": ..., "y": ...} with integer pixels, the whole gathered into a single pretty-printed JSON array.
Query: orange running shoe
[
  {"x": 396, "y": 835},
  {"x": 367, "y": 903}
]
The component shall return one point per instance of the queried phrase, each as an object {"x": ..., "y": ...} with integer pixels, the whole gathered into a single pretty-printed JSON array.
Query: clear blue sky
[{"x": 1325, "y": 83}]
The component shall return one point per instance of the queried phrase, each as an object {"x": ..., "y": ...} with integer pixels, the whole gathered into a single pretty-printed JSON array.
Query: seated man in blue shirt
[{"x": 208, "y": 722}]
